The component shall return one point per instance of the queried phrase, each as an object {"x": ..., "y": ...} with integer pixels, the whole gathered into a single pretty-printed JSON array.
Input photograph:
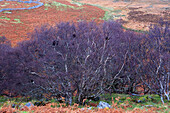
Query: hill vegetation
[{"x": 86, "y": 60}]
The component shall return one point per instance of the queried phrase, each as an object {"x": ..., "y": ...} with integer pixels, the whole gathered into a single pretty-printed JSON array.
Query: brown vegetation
[
  {"x": 74, "y": 109},
  {"x": 29, "y": 19},
  {"x": 138, "y": 14}
]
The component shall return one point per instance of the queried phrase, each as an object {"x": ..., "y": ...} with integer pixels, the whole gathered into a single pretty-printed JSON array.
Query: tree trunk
[{"x": 68, "y": 98}]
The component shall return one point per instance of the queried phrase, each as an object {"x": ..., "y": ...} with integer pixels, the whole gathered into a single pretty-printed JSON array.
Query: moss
[
  {"x": 142, "y": 99},
  {"x": 123, "y": 98},
  {"x": 3, "y": 99},
  {"x": 80, "y": 106},
  {"x": 53, "y": 106}
]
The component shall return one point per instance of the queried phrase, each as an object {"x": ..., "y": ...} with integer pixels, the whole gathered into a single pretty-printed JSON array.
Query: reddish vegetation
[
  {"x": 138, "y": 15},
  {"x": 37, "y": 17},
  {"x": 13, "y": 4},
  {"x": 75, "y": 109}
]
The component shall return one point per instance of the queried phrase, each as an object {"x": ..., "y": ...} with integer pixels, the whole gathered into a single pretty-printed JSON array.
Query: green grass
[
  {"x": 107, "y": 16},
  {"x": 77, "y": 3},
  {"x": 17, "y": 21},
  {"x": 108, "y": 10},
  {"x": 4, "y": 4},
  {"x": 5, "y": 18},
  {"x": 59, "y": 6},
  {"x": 9, "y": 12},
  {"x": 116, "y": 11}
]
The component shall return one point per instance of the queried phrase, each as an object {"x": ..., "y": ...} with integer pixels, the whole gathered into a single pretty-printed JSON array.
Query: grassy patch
[
  {"x": 59, "y": 6},
  {"x": 4, "y": 17},
  {"x": 116, "y": 11},
  {"x": 16, "y": 21},
  {"x": 107, "y": 16},
  {"x": 139, "y": 31},
  {"x": 9, "y": 12},
  {"x": 4, "y": 4},
  {"x": 109, "y": 12},
  {"x": 46, "y": 6},
  {"x": 77, "y": 3}
]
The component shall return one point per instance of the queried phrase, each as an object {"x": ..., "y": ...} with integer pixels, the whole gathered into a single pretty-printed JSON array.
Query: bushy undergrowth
[
  {"x": 120, "y": 103},
  {"x": 87, "y": 60}
]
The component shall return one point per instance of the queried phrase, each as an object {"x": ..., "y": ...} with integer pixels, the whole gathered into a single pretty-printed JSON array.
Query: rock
[
  {"x": 148, "y": 105},
  {"x": 29, "y": 104},
  {"x": 13, "y": 105},
  {"x": 133, "y": 94},
  {"x": 89, "y": 108},
  {"x": 82, "y": 108},
  {"x": 85, "y": 110},
  {"x": 103, "y": 105},
  {"x": 138, "y": 101},
  {"x": 119, "y": 101},
  {"x": 26, "y": 107}
]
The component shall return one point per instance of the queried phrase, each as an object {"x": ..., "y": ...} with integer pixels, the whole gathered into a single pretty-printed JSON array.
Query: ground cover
[{"x": 120, "y": 103}]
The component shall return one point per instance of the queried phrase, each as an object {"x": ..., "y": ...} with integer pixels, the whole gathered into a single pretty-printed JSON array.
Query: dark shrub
[{"x": 87, "y": 60}]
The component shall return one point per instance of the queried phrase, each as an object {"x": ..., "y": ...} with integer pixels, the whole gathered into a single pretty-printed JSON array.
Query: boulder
[
  {"x": 26, "y": 107},
  {"x": 149, "y": 106},
  {"x": 133, "y": 94},
  {"x": 29, "y": 104},
  {"x": 103, "y": 105},
  {"x": 13, "y": 105}
]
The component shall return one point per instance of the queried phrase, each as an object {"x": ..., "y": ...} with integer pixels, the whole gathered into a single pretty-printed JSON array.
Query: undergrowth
[{"x": 120, "y": 103}]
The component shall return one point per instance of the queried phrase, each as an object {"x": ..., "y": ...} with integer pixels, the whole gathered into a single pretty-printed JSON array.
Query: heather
[{"x": 84, "y": 61}]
